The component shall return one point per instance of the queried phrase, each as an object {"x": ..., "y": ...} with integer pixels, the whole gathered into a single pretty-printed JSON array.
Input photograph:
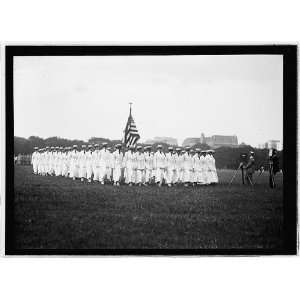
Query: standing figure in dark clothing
[
  {"x": 250, "y": 168},
  {"x": 273, "y": 167}
]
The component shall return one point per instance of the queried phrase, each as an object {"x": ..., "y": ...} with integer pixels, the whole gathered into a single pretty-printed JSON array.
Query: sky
[{"x": 79, "y": 97}]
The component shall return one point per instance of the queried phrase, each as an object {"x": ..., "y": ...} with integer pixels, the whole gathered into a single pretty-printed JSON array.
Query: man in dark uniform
[
  {"x": 273, "y": 166},
  {"x": 250, "y": 168},
  {"x": 242, "y": 166}
]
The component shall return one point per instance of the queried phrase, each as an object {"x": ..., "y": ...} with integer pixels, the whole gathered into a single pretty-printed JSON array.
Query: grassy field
[{"x": 57, "y": 213}]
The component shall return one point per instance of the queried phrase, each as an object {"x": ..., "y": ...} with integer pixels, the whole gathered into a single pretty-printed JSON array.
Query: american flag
[{"x": 131, "y": 135}]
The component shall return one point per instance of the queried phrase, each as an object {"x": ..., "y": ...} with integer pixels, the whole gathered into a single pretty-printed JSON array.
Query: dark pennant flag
[{"x": 131, "y": 135}]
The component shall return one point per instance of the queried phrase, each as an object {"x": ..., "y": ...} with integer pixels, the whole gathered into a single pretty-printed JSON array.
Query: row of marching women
[{"x": 135, "y": 166}]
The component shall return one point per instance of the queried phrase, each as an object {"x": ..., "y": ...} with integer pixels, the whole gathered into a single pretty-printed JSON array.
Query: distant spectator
[{"x": 261, "y": 170}]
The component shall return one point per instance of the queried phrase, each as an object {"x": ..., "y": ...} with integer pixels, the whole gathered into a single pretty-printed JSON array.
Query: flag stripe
[{"x": 131, "y": 135}]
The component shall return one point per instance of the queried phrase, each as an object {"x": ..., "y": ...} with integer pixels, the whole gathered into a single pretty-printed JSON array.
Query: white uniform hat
[
  {"x": 74, "y": 146},
  {"x": 170, "y": 148},
  {"x": 104, "y": 144},
  {"x": 139, "y": 147},
  {"x": 159, "y": 146}
]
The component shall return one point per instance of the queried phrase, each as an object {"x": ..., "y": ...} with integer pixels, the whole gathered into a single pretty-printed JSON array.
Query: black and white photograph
[{"x": 154, "y": 150}]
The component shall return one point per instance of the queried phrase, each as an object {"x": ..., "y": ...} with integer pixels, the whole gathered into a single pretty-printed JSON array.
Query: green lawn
[{"x": 57, "y": 213}]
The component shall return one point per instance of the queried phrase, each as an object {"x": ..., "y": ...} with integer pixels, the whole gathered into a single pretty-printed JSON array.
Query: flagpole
[{"x": 130, "y": 103}]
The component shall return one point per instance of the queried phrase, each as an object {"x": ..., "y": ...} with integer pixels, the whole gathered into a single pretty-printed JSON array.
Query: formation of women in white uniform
[{"x": 135, "y": 166}]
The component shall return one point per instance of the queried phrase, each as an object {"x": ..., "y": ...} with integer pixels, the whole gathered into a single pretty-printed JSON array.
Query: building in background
[
  {"x": 214, "y": 141},
  {"x": 271, "y": 144},
  {"x": 217, "y": 141},
  {"x": 191, "y": 142},
  {"x": 167, "y": 140}
]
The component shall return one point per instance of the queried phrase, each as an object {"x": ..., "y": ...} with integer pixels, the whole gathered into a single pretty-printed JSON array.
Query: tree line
[{"x": 226, "y": 157}]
